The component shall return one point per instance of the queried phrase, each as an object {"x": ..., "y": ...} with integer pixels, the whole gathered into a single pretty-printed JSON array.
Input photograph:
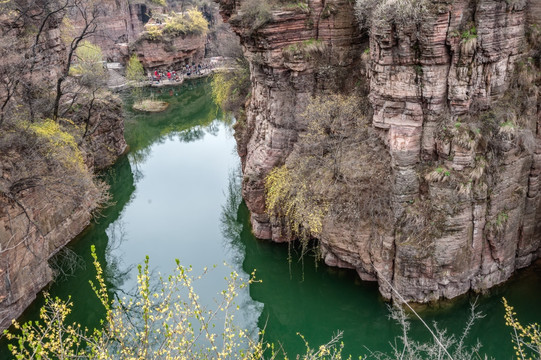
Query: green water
[{"x": 177, "y": 195}]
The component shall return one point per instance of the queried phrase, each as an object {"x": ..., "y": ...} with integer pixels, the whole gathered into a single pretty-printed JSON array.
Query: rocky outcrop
[
  {"x": 119, "y": 24},
  {"x": 104, "y": 134},
  {"x": 453, "y": 98},
  {"x": 47, "y": 186},
  {"x": 171, "y": 53},
  {"x": 284, "y": 77},
  {"x": 39, "y": 214},
  {"x": 34, "y": 225}
]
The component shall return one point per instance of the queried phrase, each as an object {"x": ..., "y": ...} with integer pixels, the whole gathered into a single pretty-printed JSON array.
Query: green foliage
[
  {"x": 469, "y": 39},
  {"x": 439, "y": 174},
  {"x": 497, "y": 224},
  {"x": 135, "y": 73},
  {"x": 153, "y": 32},
  {"x": 190, "y": 22},
  {"x": 134, "y": 69},
  {"x": 469, "y": 34}
]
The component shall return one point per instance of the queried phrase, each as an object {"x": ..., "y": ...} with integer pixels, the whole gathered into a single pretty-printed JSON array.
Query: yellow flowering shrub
[
  {"x": 167, "y": 323},
  {"x": 290, "y": 198},
  {"x": 526, "y": 339},
  {"x": 60, "y": 145}
]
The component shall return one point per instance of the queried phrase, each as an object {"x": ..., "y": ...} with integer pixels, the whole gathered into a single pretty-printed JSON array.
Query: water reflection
[
  {"x": 316, "y": 301},
  {"x": 191, "y": 113},
  {"x": 177, "y": 195},
  {"x": 231, "y": 226}
]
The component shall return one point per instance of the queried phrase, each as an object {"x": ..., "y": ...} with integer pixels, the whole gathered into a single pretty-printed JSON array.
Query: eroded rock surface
[
  {"x": 454, "y": 100},
  {"x": 47, "y": 188}
]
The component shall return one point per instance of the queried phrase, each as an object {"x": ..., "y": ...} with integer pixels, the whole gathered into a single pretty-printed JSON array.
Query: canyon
[
  {"x": 49, "y": 192},
  {"x": 453, "y": 96}
]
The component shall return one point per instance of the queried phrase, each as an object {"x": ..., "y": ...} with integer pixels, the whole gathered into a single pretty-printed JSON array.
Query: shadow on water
[{"x": 316, "y": 301}]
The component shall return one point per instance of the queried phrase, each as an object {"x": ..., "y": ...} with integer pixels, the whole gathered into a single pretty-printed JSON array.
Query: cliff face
[
  {"x": 47, "y": 187},
  {"x": 175, "y": 52},
  {"x": 121, "y": 31},
  {"x": 120, "y": 23},
  {"x": 455, "y": 101},
  {"x": 284, "y": 78},
  {"x": 32, "y": 229}
]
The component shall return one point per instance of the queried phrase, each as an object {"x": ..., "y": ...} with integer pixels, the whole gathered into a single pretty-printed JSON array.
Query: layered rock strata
[
  {"x": 454, "y": 99},
  {"x": 171, "y": 53},
  {"x": 47, "y": 188},
  {"x": 119, "y": 24},
  {"x": 284, "y": 77}
]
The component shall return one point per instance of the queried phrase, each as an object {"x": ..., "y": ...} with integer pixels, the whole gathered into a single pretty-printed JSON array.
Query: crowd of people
[{"x": 178, "y": 75}]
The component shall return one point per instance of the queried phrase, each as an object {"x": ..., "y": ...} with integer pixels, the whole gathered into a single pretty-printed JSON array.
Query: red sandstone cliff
[{"x": 455, "y": 101}]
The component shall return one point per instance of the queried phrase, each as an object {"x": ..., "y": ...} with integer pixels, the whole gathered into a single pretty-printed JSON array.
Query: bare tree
[{"x": 87, "y": 11}]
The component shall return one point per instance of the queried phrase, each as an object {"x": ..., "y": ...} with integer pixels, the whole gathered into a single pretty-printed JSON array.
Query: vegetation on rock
[
  {"x": 230, "y": 88},
  {"x": 338, "y": 169},
  {"x": 379, "y": 12},
  {"x": 191, "y": 22}
]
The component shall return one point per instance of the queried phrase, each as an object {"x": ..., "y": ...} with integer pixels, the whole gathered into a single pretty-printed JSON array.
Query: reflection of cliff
[
  {"x": 191, "y": 109},
  {"x": 455, "y": 101},
  {"x": 120, "y": 178}
]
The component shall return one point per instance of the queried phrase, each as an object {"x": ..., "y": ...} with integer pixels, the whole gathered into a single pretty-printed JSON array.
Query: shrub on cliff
[
  {"x": 253, "y": 14},
  {"x": 374, "y": 13},
  {"x": 230, "y": 88},
  {"x": 44, "y": 156},
  {"x": 337, "y": 170},
  {"x": 189, "y": 22}
]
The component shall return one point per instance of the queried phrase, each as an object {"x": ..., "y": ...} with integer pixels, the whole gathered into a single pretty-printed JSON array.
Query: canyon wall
[
  {"x": 47, "y": 186},
  {"x": 171, "y": 53},
  {"x": 120, "y": 23},
  {"x": 121, "y": 32},
  {"x": 454, "y": 98}
]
